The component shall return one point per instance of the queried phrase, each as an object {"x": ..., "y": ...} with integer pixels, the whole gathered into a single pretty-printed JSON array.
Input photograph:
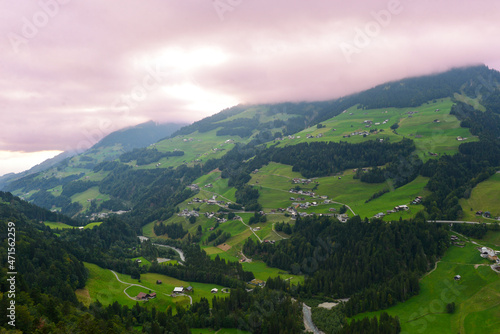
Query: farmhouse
[
  {"x": 488, "y": 253},
  {"x": 179, "y": 289},
  {"x": 457, "y": 277},
  {"x": 257, "y": 282},
  {"x": 417, "y": 200},
  {"x": 214, "y": 290},
  {"x": 145, "y": 296}
]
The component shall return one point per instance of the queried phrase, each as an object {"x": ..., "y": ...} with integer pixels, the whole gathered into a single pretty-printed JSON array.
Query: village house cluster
[
  {"x": 398, "y": 208},
  {"x": 181, "y": 290},
  {"x": 211, "y": 201},
  {"x": 485, "y": 214},
  {"x": 103, "y": 215},
  {"x": 288, "y": 137},
  {"x": 145, "y": 296},
  {"x": 301, "y": 181},
  {"x": 357, "y": 133},
  {"x": 317, "y": 136},
  {"x": 189, "y": 213},
  {"x": 488, "y": 253}
]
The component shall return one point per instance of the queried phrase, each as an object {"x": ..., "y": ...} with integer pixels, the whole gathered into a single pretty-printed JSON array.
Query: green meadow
[
  {"x": 85, "y": 197},
  {"x": 197, "y": 147},
  {"x": 431, "y": 127},
  {"x": 476, "y": 295},
  {"x": 260, "y": 270},
  {"x": 54, "y": 225},
  {"x": 484, "y": 197},
  {"x": 200, "y": 147},
  {"x": 102, "y": 285},
  {"x": 144, "y": 261},
  {"x": 219, "y": 187},
  {"x": 274, "y": 182}
]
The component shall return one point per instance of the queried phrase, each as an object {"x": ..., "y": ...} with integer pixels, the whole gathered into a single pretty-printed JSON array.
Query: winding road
[
  {"x": 251, "y": 229},
  {"x": 142, "y": 286},
  {"x": 130, "y": 284},
  {"x": 179, "y": 251}
]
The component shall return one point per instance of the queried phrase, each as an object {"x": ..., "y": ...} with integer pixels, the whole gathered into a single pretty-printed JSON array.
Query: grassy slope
[
  {"x": 102, "y": 285},
  {"x": 200, "y": 146},
  {"x": 53, "y": 225},
  {"x": 274, "y": 181},
  {"x": 428, "y": 136},
  {"x": 484, "y": 197},
  {"x": 90, "y": 194},
  {"x": 477, "y": 296}
]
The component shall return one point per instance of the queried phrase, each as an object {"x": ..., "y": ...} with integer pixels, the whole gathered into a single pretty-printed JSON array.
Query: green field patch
[
  {"x": 343, "y": 189},
  {"x": 476, "y": 295},
  {"x": 147, "y": 230},
  {"x": 233, "y": 226},
  {"x": 197, "y": 148},
  {"x": 168, "y": 284},
  {"x": 135, "y": 290},
  {"x": 91, "y": 176},
  {"x": 56, "y": 225},
  {"x": 263, "y": 272},
  {"x": 212, "y": 184},
  {"x": 102, "y": 285},
  {"x": 56, "y": 191},
  {"x": 90, "y": 194},
  {"x": 144, "y": 261},
  {"x": 430, "y": 125},
  {"x": 484, "y": 197},
  {"x": 212, "y": 250},
  {"x": 492, "y": 238},
  {"x": 83, "y": 296}
]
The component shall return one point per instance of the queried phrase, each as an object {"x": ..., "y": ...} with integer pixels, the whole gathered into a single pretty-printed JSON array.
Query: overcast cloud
[{"x": 73, "y": 71}]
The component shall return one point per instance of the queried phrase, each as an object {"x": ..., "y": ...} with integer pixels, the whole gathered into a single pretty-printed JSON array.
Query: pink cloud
[{"x": 64, "y": 81}]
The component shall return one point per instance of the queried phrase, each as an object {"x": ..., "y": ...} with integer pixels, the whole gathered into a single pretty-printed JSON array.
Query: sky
[{"x": 73, "y": 71}]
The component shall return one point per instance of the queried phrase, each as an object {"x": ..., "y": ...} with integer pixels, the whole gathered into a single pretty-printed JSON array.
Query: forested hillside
[{"x": 376, "y": 264}]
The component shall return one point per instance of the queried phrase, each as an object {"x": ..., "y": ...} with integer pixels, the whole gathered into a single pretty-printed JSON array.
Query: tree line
[{"x": 375, "y": 263}]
